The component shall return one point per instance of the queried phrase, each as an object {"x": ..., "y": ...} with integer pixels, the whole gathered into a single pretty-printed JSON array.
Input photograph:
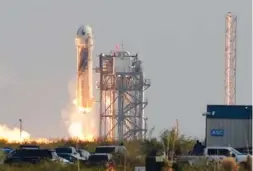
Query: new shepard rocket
[{"x": 84, "y": 47}]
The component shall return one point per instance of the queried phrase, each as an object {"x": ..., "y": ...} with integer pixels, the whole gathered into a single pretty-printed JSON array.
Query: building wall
[
  {"x": 237, "y": 132},
  {"x": 233, "y": 124}
]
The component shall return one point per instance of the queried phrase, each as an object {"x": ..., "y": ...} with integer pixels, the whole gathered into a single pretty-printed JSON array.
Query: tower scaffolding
[
  {"x": 122, "y": 85},
  {"x": 230, "y": 59}
]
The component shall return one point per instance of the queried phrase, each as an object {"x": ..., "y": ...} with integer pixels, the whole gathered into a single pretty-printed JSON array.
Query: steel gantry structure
[
  {"x": 122, "y": 85},
  {"x": 230, "y": 59}
]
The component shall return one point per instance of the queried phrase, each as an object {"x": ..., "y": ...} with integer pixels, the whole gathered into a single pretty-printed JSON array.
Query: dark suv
[
  {"x": 30, "y": 156},
  {"x": 100, "y": 159}
]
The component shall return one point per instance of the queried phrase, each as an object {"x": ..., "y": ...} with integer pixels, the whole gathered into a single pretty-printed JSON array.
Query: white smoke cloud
[
  {"x": 12, "y": 134},
  {"x": 79, "y": 125}
]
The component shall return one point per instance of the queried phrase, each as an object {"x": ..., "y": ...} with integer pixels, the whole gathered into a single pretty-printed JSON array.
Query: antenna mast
[{"x": 230, "y": 59}]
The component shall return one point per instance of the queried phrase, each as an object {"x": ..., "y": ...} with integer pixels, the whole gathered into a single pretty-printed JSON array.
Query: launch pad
[{"x": 122, "y": 85}]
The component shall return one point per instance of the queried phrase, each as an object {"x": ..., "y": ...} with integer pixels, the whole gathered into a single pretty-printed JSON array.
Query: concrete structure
[
  {"x": 122, "y": 85},
  {"x": 229, "y": 125}
]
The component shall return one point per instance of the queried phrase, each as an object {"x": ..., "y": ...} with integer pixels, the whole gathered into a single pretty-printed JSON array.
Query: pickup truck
[{"x": 214, "y": 154}]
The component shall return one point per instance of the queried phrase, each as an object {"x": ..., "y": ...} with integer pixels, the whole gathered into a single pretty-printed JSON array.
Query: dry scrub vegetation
[{"x": 137, "y": 151}]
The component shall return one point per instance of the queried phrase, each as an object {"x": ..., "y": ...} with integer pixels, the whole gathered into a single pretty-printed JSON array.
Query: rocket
[{"x": 84, "y": 85}]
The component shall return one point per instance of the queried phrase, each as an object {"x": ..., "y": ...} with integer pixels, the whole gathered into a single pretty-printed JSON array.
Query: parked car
[
  {"x": 27, "y": 146},
  {"x": 110, "y": 149},
  {"x": 100, "y": 159},
  {"x": 6, "y": 150},
  {"x": 214, "y": 153},
  {"x": 32, "y": 156},
  {"x": 66, "y": 150},
  {"x": 72, "y": 157},
  {"x": 83, "y": 153}
]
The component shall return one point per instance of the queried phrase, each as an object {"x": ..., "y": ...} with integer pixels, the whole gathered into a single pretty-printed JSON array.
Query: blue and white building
[{"x": 229, "y": 125}]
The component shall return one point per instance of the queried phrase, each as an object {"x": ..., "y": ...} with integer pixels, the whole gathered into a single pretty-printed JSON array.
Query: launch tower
[
  {"x": 122, "y": 85},
  {"x": 230, "y": 59}
]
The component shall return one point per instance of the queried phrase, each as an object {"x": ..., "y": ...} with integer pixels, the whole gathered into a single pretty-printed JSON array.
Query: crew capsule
[{"x": 84, "y": 31}]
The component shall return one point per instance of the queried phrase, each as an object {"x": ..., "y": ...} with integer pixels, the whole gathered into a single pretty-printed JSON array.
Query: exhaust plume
[
  {"x": 79, "y": 125},
  {"x": 13, "y": 135}
]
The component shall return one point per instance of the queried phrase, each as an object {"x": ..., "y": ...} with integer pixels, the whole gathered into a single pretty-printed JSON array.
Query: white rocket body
[{"x": 84, "y": 48}]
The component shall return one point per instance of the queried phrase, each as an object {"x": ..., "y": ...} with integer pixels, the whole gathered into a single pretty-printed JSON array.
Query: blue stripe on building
[{"x": 229, "y": 111}]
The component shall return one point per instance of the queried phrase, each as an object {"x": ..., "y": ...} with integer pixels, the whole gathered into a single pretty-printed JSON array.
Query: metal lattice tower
[
  {"x": 122, "y": 103},
  {"x": 230, "y": 59}
]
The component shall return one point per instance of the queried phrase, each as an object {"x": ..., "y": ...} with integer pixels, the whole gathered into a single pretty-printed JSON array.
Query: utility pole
[
  {"x": 20, "y": 129},
  {"x": 77, "y": 147}
]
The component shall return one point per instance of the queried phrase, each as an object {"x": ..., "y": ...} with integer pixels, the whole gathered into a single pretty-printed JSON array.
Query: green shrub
[
  {"x": 46, "y": 167},
  {"x": 2, "y": 156},
  {"x": 50, "y": 166},
  {"x": 137, "y": 151}
]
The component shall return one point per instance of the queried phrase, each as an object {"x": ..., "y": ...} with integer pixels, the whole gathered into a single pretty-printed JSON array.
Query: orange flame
[
  {"x": 82, "y": 109},
  {"x": 15, "y": 136},
  {"x": 81, "y": 127}
]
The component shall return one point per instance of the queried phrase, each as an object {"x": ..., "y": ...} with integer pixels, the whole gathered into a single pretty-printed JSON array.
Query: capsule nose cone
[{"x": 84, "y": 31}]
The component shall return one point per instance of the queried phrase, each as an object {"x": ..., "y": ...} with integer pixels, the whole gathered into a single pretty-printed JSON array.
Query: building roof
[{"x": 229, "y": 111}]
